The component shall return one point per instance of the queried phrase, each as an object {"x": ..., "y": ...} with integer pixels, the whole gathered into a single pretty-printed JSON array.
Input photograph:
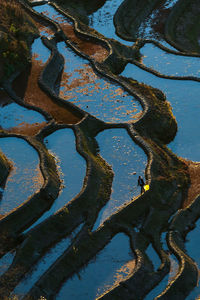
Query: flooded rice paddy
[
  {"x": 39, "y": 51},
  {"x": 71, "y": 166},
  {"x": 14, "y": 115},
  {"x": 102, "y": 21},
  {"x": 192, "y": 241},
  {"x": 169, "y": 64},
  {"x": 6, "y": 261},
  {"x": 128, "y": 161},
  {"x": 25, "y": 177},
  {"x": 113, "y": 264},
  {"x": 95, "y": 95},
  {"x": 43, "y": 265},
  {"x": 183, "y": 97}
]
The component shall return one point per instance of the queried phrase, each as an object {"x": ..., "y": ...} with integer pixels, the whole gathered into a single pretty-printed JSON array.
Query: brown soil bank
[
  {"x": 94, "y": 50},
  {"x": 26, "y": 87}
]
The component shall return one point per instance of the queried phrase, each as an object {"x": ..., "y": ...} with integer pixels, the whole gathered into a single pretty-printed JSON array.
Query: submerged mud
[{"x": 90, "y": 232}]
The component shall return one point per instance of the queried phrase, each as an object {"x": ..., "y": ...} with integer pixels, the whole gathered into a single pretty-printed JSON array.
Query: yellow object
[{"x": 146, "y": 187}]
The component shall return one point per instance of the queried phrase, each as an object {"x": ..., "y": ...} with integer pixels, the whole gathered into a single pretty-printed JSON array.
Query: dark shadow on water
[
  {"x": 57, "y": 84},
  {"x": 21, "y": 82}
]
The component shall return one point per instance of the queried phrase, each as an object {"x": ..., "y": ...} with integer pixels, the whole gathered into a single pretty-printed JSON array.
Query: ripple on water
[
  {"x": 72, "y": 167},
  {"x": 93, "y": 94},
  {"x": 25, "y": 177},
  {"x": 128, "y": 162},
  {"x": 112, "y": 265},
  {"x": 184, "y": 99}
]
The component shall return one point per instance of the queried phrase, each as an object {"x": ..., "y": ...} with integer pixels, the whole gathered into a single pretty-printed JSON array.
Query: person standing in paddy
[{"x": 141, "y": 184}]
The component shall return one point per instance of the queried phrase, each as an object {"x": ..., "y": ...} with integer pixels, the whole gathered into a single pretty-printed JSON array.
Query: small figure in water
[{"x": 141, "y": 184}]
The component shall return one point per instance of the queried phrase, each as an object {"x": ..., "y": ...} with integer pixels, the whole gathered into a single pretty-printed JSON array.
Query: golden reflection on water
[
  {"x": 118, "y": 277},
  {"x": 124, "y": 271},
  {"x": 27, "y": 178},
  {"x": 37, "y": 179},
  {"x": 174, "y": 266},
  {"x": 21, "y": 184},
  {"x": 97, "y": 95}
]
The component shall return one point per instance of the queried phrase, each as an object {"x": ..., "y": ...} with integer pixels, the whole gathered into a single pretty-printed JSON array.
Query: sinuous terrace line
[{"x": 143, "y": 219}]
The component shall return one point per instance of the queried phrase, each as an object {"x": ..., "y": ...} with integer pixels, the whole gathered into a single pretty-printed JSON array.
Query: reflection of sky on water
[
  {"x": 102, "y": 20},
  {"x": 110, "y": 266},
  {"x": 43, "y": 265},
  {"x": 126, "y": 158},
  {"x": 25, "y": 178},
  {"x": 39, "y": 51},
  {"x": 173, "y": 271},
  {"x": 6, "y": 261},
  {"x": 72, "y": 168},
  {"x": 93, "y": 94},
  {"x": 192, "y": 239},
  {"x": 170, "y": 64},
  {"x": 170, "y": 3},
  {"x": 153, "y": 256},
  {"x": 51, "y": 13},
  {"x": 14, "y": 115},
  {"x": 184, "y": 98}
]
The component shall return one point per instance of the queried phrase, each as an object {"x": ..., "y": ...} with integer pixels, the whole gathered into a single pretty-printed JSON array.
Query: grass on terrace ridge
[{"x": 17, "y": 30}]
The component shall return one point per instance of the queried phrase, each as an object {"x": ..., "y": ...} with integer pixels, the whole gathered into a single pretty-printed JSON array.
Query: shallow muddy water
[
  {"x": 14, "y": 115},
  {"x": 90, "y": 48},
  {"x": 184, "y": 99},
  {"x": 51, "y": 13},
  {"x": 39, "y": 51},
  {"x": 128, "y": 161},
  {"x": 93, "y": 94},
  {"x": 113, "y": 264},
  {"x": 25, "y": 177}
]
